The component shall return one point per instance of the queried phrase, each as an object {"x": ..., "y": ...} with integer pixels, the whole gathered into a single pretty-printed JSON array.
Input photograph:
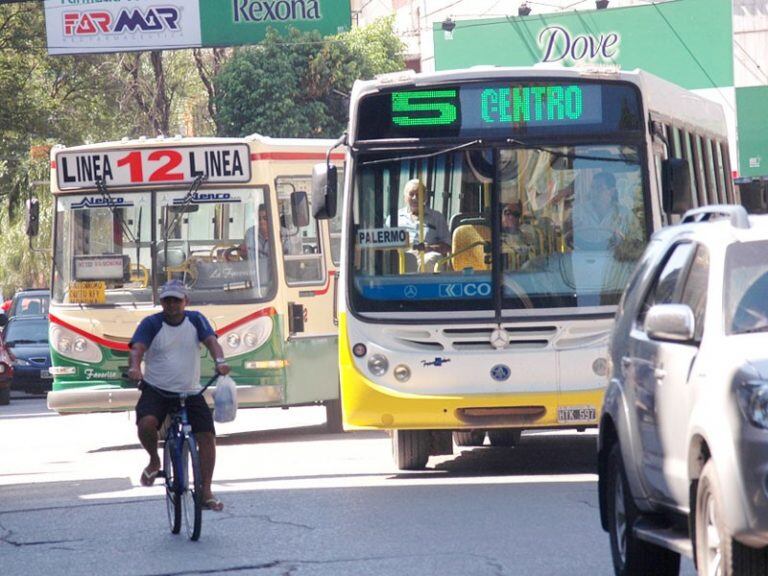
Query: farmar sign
[
  {"x": 84, "y": 26},
  {"x": 87, "y": 26}
]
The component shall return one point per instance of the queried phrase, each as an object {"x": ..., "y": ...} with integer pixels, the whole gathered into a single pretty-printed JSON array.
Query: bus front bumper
[{"x": 77, "y": 401}]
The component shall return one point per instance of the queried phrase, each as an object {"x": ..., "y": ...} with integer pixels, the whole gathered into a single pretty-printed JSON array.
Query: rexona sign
[{"x": 82, "y": 26}]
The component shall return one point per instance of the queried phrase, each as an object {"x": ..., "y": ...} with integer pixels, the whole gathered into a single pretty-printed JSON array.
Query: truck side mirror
[
  {"x": 324, "y": 190},
  {"x": 33, "y": 217},
  {"x": 676, "y": 186}
]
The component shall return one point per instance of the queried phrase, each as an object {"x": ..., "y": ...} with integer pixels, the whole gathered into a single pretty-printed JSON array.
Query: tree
[{"x": 295, "y": 86}]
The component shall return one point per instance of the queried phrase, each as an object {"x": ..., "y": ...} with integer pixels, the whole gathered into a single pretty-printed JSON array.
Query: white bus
[
  {"x": 484, "y": 308},
  {"x": 231, "y": 219}
]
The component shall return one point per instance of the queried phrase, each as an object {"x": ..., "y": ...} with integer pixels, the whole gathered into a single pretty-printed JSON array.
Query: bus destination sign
[
  {"x": 221, "y": 163},
  {"x": 501, "y": 109}
]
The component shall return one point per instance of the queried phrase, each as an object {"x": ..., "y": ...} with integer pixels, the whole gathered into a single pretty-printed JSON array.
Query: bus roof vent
[
  {"x": 599, "y": 69},
  {"x": 394, "y": 77},
  {"x": 737, "y": 214}
]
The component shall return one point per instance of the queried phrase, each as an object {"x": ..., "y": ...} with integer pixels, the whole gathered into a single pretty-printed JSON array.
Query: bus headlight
[
  {"x": 402, "y": 373},
  {"x": 246, "y": 338},
  {"x": 72, "y": 345},
  {"x": 378, "y": 364}
]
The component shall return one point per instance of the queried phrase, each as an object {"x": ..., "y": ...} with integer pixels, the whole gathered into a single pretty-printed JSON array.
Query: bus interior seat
[
  {"x": 468, "y": 246},
  {"x": 468, "y": 218}
]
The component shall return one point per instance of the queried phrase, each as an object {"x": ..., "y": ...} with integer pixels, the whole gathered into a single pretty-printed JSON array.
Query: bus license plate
[{"x": 576, "y": 414}]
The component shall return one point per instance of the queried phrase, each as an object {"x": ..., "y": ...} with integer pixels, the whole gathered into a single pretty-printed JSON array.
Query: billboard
[
  {"x": 689, "y": 42},
  {"x": 85, "y": 26}
]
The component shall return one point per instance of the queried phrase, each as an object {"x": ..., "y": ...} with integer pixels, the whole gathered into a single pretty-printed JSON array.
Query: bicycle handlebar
[{"x": 169, "y": 394}]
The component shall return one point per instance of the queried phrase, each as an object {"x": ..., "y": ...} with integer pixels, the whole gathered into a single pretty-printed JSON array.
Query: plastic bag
[{"x": 225, "y": 400}]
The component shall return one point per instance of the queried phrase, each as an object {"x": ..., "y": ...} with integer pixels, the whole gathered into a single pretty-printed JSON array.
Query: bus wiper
[
  {"x": 570, "y": 155},
  {"x": 184, "y": 205},
  {"x": 420, "y": 156},
  {"x": 102, "y": 188}
]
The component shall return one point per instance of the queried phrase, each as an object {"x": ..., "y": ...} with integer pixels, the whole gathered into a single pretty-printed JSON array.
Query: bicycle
[{"x": 181, "y": 467}]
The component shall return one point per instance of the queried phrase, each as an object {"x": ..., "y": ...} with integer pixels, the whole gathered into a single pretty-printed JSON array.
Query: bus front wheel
[{"x": 410, "y": 448}]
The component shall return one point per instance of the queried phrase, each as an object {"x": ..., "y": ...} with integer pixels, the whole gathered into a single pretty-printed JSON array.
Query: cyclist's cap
[{"x": 174, "y": 289}]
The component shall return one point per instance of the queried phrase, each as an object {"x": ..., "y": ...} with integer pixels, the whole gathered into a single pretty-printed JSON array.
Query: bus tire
[
  {"x": 333, "y": 419},
  {"x": 468, "y": 437},
  {"x": 410, "y": 448},
  {"x": 506, "y": 437}
]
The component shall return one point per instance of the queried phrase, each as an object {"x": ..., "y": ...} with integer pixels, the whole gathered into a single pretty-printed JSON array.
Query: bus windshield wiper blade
[
  {"x": 102, "y": 188},
  {"x": 423, "y": 155},
  {"x": 569, "y": 155}
]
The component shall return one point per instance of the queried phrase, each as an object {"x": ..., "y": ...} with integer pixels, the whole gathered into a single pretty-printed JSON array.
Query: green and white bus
[{"x": 132, "y": 214}]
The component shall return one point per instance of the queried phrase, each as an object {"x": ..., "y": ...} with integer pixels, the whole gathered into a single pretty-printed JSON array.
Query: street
[{"x": 297, "y": 501}]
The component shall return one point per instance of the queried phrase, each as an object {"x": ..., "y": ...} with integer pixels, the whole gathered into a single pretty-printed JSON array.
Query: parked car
[
  {"x": 683, "y": 440},
  {"x": 25, "y": 339},
  {"x": 6, "y": 374},
  {"x": 33, "y": 302}
]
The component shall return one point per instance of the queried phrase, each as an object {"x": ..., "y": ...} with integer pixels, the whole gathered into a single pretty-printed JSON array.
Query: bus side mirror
[
  {"x": 300, "y": 209},
  {"x": 324, "y": 185},
  {"x": 676, "y": 186},
  {"x": 33, "y": 217}
]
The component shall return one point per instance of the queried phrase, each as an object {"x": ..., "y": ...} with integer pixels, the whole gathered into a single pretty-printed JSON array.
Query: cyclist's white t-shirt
[{"x": 172, "y": 360}]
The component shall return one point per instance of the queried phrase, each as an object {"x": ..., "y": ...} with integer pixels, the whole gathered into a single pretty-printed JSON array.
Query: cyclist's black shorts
[{"x": 152, "y": 403}]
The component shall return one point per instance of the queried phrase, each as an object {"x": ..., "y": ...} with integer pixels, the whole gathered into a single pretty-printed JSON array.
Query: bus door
[{"x": 310, "y": 292}]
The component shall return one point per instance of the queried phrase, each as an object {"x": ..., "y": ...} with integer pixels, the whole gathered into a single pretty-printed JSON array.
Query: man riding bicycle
[{"x": 169, "y": 344}]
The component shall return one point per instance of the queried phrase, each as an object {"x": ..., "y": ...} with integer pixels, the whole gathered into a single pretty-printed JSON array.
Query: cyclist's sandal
[
  {"x": 213, "y": 504},
  {"x": 148, "y": 478}
]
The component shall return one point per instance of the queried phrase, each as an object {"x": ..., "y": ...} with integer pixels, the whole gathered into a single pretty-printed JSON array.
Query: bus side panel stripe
[
  {"x": 121, "y": 346},
  {"x": 237, "y": 323},
  {"x": 293, "y": 156}
]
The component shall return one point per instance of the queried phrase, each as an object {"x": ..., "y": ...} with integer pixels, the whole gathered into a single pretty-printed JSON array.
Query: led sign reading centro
[
  {"x": 500, "y": 108},
  {"x": 497, "y": 105},
  {"x": 523, "y": 104}
]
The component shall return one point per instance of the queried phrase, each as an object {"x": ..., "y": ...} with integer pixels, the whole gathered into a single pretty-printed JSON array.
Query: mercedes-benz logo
[
  {"x": 499, "y": 338},
  {"x": 500, "y": 372},
  {"x": 410, "y": 291}
]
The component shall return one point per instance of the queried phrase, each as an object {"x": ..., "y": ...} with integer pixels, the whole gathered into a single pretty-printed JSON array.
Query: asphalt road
[{"x": 298, "y": 502}]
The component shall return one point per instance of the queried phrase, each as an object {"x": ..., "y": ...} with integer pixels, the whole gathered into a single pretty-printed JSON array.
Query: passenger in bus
[
  {"x": 516, "y": 243},
  {"x": 599, "y": 220},
  {"x": 435, "y": 242}
]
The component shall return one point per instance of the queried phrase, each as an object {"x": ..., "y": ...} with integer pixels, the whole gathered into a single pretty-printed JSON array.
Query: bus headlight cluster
[
  {"x": 378, "y": 364},
  {"x": 246, "y": 338},
  {"x": 72, "y": 345}
]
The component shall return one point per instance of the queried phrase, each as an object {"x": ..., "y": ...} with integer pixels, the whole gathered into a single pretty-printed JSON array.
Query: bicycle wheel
[
  {"x": 192, "y": 493},
  {"x": 172, "y": 502}
]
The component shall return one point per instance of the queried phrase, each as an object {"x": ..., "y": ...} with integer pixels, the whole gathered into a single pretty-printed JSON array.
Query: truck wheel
[
  {"x": 410, "y": 448},
  {"x": 5, "y": 396},
  {"x": 631, "y": 556},
  {"x": 716, "y": 551},
  {"x": 468, "y": 437},
  {"x": 507, "y": 438}
]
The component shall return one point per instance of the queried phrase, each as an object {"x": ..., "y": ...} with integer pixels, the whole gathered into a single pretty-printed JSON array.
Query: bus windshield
[
  {"x": 208, "y": 239},
  {"x": 496, "y": 228}
]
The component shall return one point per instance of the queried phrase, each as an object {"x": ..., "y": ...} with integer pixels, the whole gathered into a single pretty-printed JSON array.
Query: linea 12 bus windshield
[{"x": 499, "y": 109}]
